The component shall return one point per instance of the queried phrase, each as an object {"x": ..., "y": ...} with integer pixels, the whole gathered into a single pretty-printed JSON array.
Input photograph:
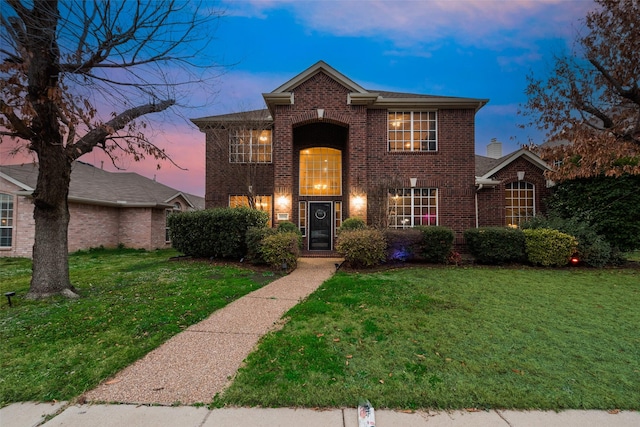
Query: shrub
[
  {"x": 593, "y": 249},
  {"x": 287, "y": 226},
  {"x": 609, "y": 205},
  {"x": 362, "y": 248},
  {"x": 281, "y": 250},
  {"x": 403, "y": 245},
  {"x": 496, "y": 245},
  {"x": 352, "y": 224},
  {"x": 437, "y": 243},
  {"x": 254, "y": 238},
  {"x": 217, "y": 233},
  {"x": 548, "y": 247}
]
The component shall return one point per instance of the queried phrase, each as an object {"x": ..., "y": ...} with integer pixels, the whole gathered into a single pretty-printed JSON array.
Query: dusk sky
[{"x": 476, "y": 49}]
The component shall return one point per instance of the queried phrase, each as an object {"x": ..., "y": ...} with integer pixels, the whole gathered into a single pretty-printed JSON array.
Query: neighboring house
[
  {"x": 106, "y": 209},
  {"x": 327, "y": 149}
]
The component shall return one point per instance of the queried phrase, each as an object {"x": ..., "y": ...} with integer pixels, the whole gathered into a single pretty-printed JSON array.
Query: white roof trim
[
  {"x": 313, "y": 70},
  {"x": 180, "y": 194},
  {"x": 514, "y": 156},
  {"x": 22, "y": 185}
]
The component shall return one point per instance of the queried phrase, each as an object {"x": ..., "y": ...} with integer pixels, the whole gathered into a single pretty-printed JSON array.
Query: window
[
  {"x": 412, "y": 131},
  {"x": 263, "y": 203},
  {"x": 250, "y": 146},
  {"x": 519, "y": 202},
  {"x": 338, "y": 211},
  {"x": 409, "y": 207},
  {"x": 6, "y": 220},
  {"x": 177, "y": 207},
  {"x": 302, "y": 217},
  {"x": 320, "y": 172}
]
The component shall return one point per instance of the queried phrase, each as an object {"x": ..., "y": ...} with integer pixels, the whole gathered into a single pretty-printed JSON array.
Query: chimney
[{"x": 494, "y": 149}]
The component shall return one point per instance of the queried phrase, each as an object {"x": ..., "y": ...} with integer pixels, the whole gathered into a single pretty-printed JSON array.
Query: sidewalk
[
  {"x": 196, "y": 364},
  {"x": 32, "y": 414}
]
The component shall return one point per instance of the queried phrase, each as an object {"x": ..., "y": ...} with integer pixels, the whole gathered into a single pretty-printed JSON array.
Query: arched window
[
  {"x": 519, "y": 202},
  {"x": 6, "y": 220},
  {"x": 320, "y": 172}
]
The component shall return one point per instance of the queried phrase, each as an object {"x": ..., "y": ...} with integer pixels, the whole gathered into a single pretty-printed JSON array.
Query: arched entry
[{"x": 320, "y": 150}]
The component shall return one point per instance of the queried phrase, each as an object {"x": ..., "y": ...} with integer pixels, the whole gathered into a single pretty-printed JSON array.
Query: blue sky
[{"x": 479, "y": 49}]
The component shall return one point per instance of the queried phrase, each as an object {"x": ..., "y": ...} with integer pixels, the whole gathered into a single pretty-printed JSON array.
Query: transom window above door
[{"x": 320, "y": 172}]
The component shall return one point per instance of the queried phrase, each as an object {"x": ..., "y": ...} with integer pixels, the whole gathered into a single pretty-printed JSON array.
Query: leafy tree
[
  {"x": 79, "y": 75},
  {"x": 590, "y": 104},
  {"x": 609, "y": 205}
]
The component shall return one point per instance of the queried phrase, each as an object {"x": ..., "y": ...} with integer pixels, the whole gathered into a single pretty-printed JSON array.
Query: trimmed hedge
[
  {"x": 255, "y": 236},
  {"x": 496, "y": 245},
  {"x": 214, "y": 233},
  {"x": 281, "y": 250},
  {"x": 593, "y": 249},
  {"x": 404, "y": 244},
  {"x": 549, "y": 247},
  {"x": 354, "y": 223},
  {"x": 362, "y": 248},
  {"x": 437, "y": 243}
]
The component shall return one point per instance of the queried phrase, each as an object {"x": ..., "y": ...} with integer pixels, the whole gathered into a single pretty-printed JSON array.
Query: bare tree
[
  {"x": 590, "y": 104},
  {"x": 380, "y": 200},
  {"x": 79, "y": 75}
]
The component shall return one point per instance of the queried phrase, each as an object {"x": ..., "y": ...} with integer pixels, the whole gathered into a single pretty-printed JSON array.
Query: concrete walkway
[
  {"x": 33, "y": 414},
  {"x": 196, "y": 364}
]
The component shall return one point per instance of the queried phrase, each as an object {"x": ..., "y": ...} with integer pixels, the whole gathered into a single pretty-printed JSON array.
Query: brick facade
[
  {"x": 322, "y": 108},
  {"x": 91, "y": 225}
]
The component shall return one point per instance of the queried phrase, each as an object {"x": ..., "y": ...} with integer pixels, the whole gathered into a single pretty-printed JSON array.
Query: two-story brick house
[{"x": 327, "y": 149}]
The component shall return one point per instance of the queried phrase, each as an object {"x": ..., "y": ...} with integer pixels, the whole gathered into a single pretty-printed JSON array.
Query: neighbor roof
[{"x": 96, "y": 186}]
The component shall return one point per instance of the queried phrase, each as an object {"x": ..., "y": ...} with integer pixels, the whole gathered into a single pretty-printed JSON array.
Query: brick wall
[
  {"x": 23, "y": 223},
  {"x": 491, "y": 202},
  {"x": 91, "y": 226},
  {"x": 362, "y": 136}
]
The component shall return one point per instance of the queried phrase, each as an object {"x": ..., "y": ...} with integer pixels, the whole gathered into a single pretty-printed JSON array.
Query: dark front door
[{"x": 320, "y": 226}]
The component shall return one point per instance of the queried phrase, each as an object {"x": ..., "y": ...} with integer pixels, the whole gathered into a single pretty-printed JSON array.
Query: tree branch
[{"x": 100, "y": 134}]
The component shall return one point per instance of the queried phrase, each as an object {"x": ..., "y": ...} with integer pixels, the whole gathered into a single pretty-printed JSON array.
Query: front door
[{"x": 320, "y": 230}]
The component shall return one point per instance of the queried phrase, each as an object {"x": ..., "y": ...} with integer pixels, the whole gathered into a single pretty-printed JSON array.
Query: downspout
[{"x": 476, "y": 197}]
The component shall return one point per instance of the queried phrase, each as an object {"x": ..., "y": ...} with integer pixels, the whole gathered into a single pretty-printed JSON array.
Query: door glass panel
[{"x": 320, "y": 220}]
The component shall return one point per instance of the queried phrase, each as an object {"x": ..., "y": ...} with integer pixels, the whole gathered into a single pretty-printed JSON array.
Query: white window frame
[
  {"x": 415, "y": 194},
  {"x": 239, "y": 138},
  {"x": 398, "y": 122},
  {"x": 7, "y": 217},
  {"x": 514, "y": 220}
]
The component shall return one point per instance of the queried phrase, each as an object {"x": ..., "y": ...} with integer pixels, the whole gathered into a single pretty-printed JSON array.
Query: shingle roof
[
  {"x": 485, "y": 164},
  {"x": 95, "y": 185}
]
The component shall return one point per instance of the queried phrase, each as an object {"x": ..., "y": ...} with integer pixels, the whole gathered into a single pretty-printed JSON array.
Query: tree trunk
[{"x": 51, "y": 213}]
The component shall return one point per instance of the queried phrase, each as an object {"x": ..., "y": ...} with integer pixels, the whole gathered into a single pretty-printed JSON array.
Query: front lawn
[
  {"x": 132, "y": 301},
  {"x": 453, "y": 338}
]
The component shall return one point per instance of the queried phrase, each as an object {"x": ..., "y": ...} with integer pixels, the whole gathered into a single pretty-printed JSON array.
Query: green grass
[
  {"x": 132, "y": 301},
  {"x": 455, "y": 338}
]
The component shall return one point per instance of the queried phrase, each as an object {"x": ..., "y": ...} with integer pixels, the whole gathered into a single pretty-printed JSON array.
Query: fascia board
[
  {"x": 434, "y": 102},
  {"x": 530, "y": 156},
  {"x": 14, "y": 181}
]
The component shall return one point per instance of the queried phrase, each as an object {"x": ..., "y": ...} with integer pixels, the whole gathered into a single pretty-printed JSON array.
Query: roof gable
[
  {"x": 316, "y": 68},
  {"x": 487, "y": 167}
]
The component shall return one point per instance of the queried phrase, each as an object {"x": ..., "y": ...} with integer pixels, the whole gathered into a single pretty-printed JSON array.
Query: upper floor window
[
  {"x": 412, "y": 131},
  {"x": 6, "y": 220},
  {"x": 250, "y": 146},
  {"x": 409, "y": 207},
  {"x": 519, "y": 197}
]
